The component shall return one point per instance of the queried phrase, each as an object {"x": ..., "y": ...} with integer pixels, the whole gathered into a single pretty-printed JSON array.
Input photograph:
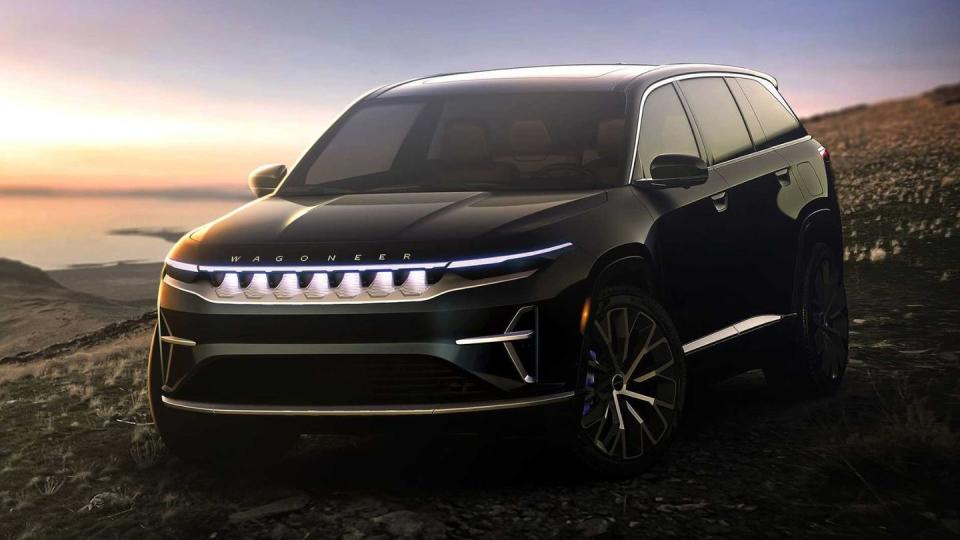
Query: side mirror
[
  {"x": 263, "y": 180},
  {"x": 677, "y": 170}
]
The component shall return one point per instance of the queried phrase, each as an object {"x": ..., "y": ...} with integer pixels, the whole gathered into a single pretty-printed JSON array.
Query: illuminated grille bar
[
  {"x": 317, "y": 285},
  {"x": 354, "y": 282}
]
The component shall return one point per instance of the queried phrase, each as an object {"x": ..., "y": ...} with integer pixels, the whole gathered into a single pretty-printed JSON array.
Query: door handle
[
  {"x": 783, "y": 176},
  {"x": 720, "y": 201}
]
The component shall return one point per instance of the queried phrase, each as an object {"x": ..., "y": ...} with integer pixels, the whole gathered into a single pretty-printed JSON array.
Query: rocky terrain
[
  {"x": 898, "y": 176},
  {"x": 79, "y": 457}
]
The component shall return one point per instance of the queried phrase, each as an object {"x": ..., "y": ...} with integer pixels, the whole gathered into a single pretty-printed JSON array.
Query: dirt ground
[{"x": 78, "y": 457}]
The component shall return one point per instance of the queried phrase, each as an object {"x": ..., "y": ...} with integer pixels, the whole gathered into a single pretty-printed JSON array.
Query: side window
[
  {"x": 718, "y": 118},
  {"x": 778, "y": 123},
  {"x": 664, "y": 127},
  {"x": 753, "y": 125}
]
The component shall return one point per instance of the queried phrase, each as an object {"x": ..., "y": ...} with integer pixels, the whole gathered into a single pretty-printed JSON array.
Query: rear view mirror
[
  {"x": 677, "y": 170},
  {"x": 264, "y": 180}
]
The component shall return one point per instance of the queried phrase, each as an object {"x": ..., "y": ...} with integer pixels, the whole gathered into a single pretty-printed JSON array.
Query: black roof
[{"x": 563, "y": 78}]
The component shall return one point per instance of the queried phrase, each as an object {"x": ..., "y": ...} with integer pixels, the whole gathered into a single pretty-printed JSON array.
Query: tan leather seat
[
  {"x": 464, "y": 141},
  {"x": 610, "y": 143},
  {"x": 529, "y": 140}
]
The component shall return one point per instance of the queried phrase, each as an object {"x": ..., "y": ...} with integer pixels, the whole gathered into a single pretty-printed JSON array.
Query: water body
[{"x": 62, "y": 231}]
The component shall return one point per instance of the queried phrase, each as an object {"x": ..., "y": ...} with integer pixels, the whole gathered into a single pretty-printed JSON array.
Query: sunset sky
[{"x": 121, "y": 94}]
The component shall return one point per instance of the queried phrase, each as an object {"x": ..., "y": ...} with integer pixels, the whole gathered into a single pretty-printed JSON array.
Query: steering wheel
[{"x": 568, "y": 169}]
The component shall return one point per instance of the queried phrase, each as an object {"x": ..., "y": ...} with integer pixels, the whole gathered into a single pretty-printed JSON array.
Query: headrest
[
  {"x": 610, "y": 141},
  {"x": 464, "y": 141},
  {"x": 529, "y": 140}
]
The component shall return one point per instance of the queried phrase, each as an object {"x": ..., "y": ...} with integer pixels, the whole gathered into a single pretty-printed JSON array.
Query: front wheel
[{"x": 632, "y": 380}]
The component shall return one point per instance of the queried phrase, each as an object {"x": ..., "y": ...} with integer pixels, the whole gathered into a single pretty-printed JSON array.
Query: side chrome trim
[
  {"x": 174, "y": 340},
  {"x": 377, "y": 410},
  {"x": 732, "y": 331},
  {"x": 497, "y": 338},
  {"x": 805, "y": 138},
  {"x": 770, "y": 86}
]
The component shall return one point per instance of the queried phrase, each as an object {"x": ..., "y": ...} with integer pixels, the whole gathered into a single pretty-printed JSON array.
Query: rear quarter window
[
  {"x": 777, "y": 121},
  {"x": 718, "y": 118}
]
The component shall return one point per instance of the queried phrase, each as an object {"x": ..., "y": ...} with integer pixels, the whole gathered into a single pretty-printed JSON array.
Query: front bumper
[{"x": 506, "y": 345}]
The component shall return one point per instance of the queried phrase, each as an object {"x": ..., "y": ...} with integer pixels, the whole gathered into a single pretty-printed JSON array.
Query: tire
[
  {"x": 818, "y": 361},
  {"x": 631, "y": 384},
  {"x": 199, "y": 437}
]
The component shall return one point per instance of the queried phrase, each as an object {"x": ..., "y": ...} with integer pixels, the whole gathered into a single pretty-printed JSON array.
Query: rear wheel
[
  {"x": 819, "y": 358},
  {"x": 632, "y": 380},
  {"x": 200, "y": 437}
]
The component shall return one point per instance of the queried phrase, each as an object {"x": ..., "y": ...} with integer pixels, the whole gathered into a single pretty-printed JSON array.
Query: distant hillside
[
  {"x": 126, "y": 282},
  {"x": 898, "y": 180},
  {"x": 17, "y": 272},
  {"x": 36, "y": 311}
]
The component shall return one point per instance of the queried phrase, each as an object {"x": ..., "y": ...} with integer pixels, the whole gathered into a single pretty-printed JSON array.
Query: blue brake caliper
[{"x": 589, "y": 382}]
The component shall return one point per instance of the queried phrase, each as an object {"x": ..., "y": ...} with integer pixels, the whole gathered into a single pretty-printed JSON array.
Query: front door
[{"x": 688, "y": 238}]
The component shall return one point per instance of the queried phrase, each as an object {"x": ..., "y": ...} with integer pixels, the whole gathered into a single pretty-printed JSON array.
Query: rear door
[
  {"x": 688, "y": 238},
  {"x": 757, "y": 231},
  {"x": 780, "y": 197}
]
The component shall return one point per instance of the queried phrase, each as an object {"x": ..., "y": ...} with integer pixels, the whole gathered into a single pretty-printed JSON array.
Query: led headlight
[
  {"x": 181, "y": 271},
  {"x": 507, "y": 264},
  {"x": 499, "y": 259}
]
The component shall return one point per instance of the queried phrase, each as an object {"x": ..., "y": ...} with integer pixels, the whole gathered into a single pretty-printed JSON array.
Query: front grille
[
  {"x": 316, "y": 285},
  {"x": 326, "y": 380}
]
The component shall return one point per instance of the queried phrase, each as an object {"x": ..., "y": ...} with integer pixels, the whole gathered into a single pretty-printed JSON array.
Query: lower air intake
[{"x": 335, "y": 380}]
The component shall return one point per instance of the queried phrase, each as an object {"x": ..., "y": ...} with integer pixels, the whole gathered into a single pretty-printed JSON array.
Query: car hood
[{"x": 388, "y": 226}]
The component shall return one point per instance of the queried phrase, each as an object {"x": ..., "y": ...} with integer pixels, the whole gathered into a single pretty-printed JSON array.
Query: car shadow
[{"x": 410, "y": 464}]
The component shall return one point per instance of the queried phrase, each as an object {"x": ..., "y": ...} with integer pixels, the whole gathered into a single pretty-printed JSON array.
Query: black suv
[{"x": 551, "y": 247}]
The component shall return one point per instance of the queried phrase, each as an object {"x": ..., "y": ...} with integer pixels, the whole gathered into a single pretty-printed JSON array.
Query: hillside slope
[
  {"x": 898, "y": 179},
  {"x": 36, "y": 311},
  {"x": 134, "y": 283}
]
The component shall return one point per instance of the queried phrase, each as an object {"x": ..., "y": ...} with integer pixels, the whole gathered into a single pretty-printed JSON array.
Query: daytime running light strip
[
  {"x": 504, "y": 258},
  {"x": 467, "y": 263},
  {"x": 337, "y": 268},
  {"x": 181, "y": 266}
]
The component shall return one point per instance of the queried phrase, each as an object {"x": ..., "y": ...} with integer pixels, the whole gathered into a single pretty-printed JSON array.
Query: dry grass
[
  {"x": 107, "y": 360},
  {"x": 50, "y": 485},
  {"x": 900, "y": 449},
  {"x": 146, "y": 448},
  {"x": 86, "y": 398}
]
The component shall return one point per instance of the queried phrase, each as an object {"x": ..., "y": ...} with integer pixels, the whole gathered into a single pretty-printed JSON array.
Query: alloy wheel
[{"x": 630, "y": 388}]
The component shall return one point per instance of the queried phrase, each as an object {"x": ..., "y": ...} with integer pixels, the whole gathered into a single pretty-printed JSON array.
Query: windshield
[{"x": 469, "y": 143}]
